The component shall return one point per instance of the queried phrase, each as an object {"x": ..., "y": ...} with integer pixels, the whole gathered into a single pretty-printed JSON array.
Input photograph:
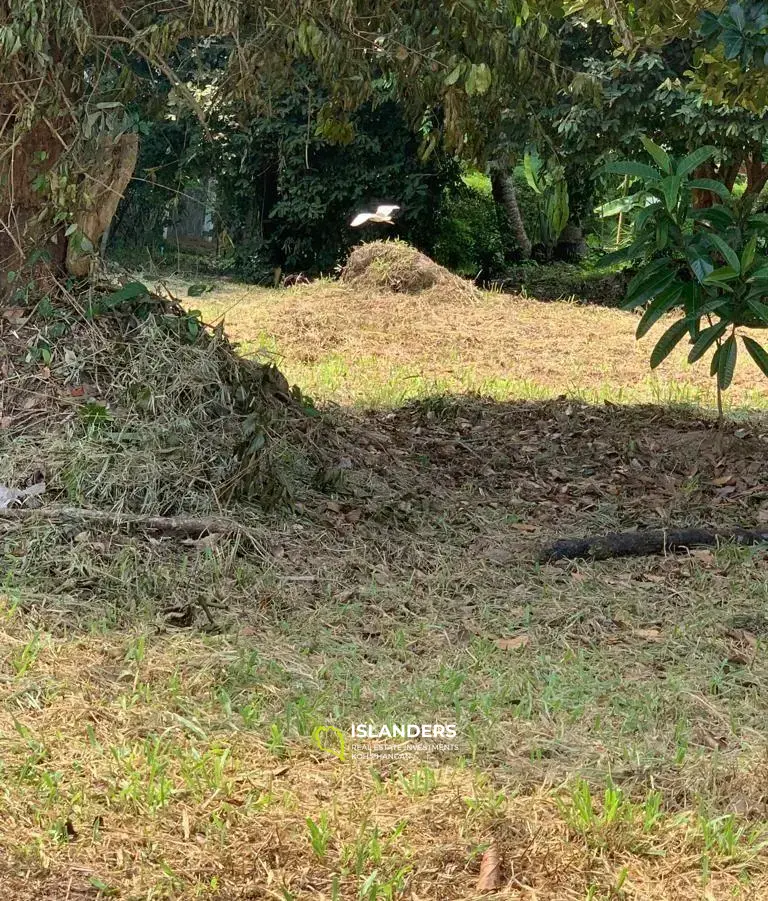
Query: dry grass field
[
  {"x": 378, "y": 348},
  {"x": 161, "y": 697}
]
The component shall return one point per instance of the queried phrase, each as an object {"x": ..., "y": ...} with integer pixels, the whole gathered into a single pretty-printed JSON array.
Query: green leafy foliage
[
  {"x": 709, "y": 264},
  {"x": 471, "y": 238},
  {"x": 547, "y": 179},
  {"x": 741, "y": 30},
  {"x": 288, "y": 182}
]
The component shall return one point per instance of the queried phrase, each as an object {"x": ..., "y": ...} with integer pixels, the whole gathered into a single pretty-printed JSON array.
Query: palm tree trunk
[{"x": 503, "y": 187}]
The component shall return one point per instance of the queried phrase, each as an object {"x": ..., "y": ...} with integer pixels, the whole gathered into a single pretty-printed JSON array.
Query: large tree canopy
[
  {"x": 730, "y": 65},
  {"x": 74, "y": 69},
  {"x": 76, "y": 75}
]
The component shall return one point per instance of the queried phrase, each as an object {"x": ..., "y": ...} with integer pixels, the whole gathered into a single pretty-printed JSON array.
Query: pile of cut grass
[
  {"x": 136, "y": 407},
  {"x": 396, "y": 266}
]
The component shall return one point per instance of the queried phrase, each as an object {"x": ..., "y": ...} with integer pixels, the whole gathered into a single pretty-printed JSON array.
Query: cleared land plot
[
  {"x": 611, "y": 716},
  {"x": 368, "y": 348}
]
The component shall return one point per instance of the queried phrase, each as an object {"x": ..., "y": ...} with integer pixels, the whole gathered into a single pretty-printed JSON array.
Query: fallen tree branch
[
  {"x": 189, "y": 526},
  {"x": 638, "y": 544}
]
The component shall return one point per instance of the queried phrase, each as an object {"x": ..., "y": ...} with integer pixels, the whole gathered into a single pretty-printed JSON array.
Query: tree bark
[
  {"x": 104, "y": 190},
  {"x": 25, "y": 190},
  {"x": 757, "y": 173},
  {"x": 503, "y": 188},
  {"x": 638, "y": 544},
  {"x": 724, "y": 172}
]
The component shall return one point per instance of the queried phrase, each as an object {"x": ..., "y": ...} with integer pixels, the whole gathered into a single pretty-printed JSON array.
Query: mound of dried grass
[
  {"x": 142, "y": 410},
  {"x": 396, "y": 266}
]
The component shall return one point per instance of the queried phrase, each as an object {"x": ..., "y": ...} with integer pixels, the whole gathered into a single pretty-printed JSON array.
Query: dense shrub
[
  {"x": 565, "y": 281},
  {"x": 471, "y": 239}
]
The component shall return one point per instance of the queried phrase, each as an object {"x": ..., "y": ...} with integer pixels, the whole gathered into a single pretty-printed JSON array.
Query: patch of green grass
[{"x": 369, "y": 382}]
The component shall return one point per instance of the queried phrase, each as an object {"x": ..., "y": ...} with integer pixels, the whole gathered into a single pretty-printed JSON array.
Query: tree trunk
[
  {"x": 28, "y": 183},
  {"x": 503, "y": 187},
  {"x": 104, "y": 190},
  {"x": 757, "y": 173},
  {"x": 25, "y": 192},
  {"x": 724, "y": 172}
]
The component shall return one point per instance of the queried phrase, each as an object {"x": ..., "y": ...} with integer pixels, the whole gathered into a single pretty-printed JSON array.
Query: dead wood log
[
  {"x": 639, "y": 544},
  {"x": 187, "y": 526}
]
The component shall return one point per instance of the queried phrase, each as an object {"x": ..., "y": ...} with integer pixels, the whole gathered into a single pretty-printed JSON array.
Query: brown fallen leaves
[
  {"x": 490, "y": 871},
  {"x": 514, "y": 643}
]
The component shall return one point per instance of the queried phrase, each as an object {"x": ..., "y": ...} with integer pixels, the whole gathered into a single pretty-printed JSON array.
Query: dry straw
[{"x": 396, "y": 266}]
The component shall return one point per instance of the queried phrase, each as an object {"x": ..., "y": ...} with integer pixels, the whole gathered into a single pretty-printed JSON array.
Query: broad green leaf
[
  {"x": 748, "y": 254},
  {"x": 759, "y": 309},
  {"x": 648, "y": 272},
  {"x": 127, "y": 292},
  {"x": 668, "y": 341},
  {"x": 701, "y": 267},
  {"x": 646, "y": 213},
  {"x": 558, "y": 208},
  {"x": 620, "y": 205},
  {"x": 691, "y": 300},
  {"x": 709, "y": 184},
  {"x": 719, "y": 216},
  {"x": 709, "y": 24},
  {"x": 723, "y": 274},
  {"x": 648, "y": 290},
  {"x": 705, "y": 340},
  {"x": 532, "y": 166},
  {"x": 736, "y": 12},
  {"x": 660, "y": 156},
  {"x": 715, "y": 361},
  {"x": 694, "y": 159},
  {"x": 709, "y": 307},
  {"x": 726, "y": 365},
  {"x": 631, "y": 168},
  {"x": 670, "y": 188},
  {"x": 759, "y": 274},
  {"x": 731, "y": 257},
  {"x": 757, "y": 352},
  {"x": 662, "y": 234},
  {"x": 453, "y": 75},
  {"x": 733, "y": 42},
  {"x": 478, "y": 79},
  {"x": 660, "y": 307}
]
